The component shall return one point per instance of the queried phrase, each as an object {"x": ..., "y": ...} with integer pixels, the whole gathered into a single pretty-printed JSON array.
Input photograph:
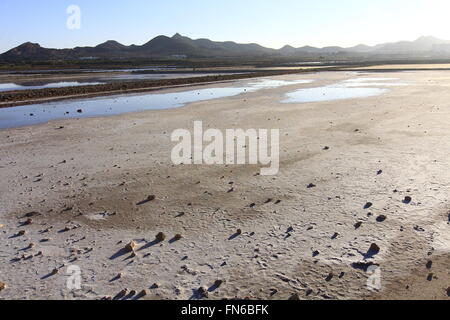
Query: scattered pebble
[
  {"x": 294, "y": 297},
  {"x": 329, "y": 277},
  {"x": 131, "y": 246},
  {"x": 143, "y": 293},
  {"x": 160, "y": 237},
  {"x": 177, "y": 237},
  {"x": 407, "y": 200},
  {"x": 202, "y": 292},
  {"x": 2, "y": 286},
  {"x": 374, "y": 249},
  {"x": 368, "y": 205},
  {"x": 358, "y": 225},
  {"x": 381, "y": 218}
]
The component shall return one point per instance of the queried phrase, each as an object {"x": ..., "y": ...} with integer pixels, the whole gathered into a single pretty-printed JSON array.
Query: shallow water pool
[{"x": 115, "y": 105}]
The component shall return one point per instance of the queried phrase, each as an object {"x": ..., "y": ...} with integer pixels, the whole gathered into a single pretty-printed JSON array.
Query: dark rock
[
  {"x": 407, "y": 200},
  {"x": 368, "y": 205},
  {"x": 160, "y": 237},
  {"x": 295, "y": 296},
  {"x": 218, "y": 283},
  {"x": 374, "y": 249},
  {"x": 202, "y": 292},
  {"x": 358, "y": 225}
]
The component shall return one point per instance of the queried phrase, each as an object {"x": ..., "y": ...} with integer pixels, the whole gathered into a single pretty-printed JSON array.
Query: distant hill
[{"x": 180, "y": 46}]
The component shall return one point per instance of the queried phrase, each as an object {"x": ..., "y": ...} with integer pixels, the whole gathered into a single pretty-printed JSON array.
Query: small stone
[
  {"x": 143, "y": 293},
  {"x": 155, "y": 286},
  {"x": 238, "y": 232},
  {"x": 2, "y": 286},
  {"x": 381, "y": 218},
  {"x": 329, "y": 277},
  {"x": 448, "y": 291},
  {"x": 368, "y": 205},
  {"x": 132, "y": 293},
  {"x": 290, "y": 229},
  {"x": 21, "y": 233},
  {"x": 178, "y": 237},
  {"x": 358, "y": 225},
  {"x": 160, "y": 237},
  {"x": 28, "y": 222},
  {"x": 407, "y": 200},
  {"x": 131, "y": 246},
  {"x": 80, "y": 111},
  {"x": 122, "y": 293},
  {"x": 374, "y": 248},
  {"x": 429, "y": 264},
  {"x": 202, "y": 292},
  {"x": 295, "y": 297},
  {"x": 218, "y": 283},
  {"x": 54, "y": 272},
  {"x": 311, "y": 185}
]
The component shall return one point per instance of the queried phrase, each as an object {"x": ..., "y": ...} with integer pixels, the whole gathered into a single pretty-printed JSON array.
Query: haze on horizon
[{"x": 267, "y": 22}]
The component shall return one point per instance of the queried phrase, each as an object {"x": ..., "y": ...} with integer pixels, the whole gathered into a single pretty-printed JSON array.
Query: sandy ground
[{"x": 84, "y": 182}]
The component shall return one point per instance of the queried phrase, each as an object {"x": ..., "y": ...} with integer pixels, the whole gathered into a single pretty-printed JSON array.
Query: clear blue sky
[{"x": 268, "y": 22}]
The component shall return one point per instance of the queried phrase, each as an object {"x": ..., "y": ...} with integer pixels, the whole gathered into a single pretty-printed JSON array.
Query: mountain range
[{"x": 181, "y": 47}]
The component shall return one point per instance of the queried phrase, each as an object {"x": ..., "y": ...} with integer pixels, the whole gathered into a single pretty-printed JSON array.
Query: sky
[{"x": 272, "y": 23}]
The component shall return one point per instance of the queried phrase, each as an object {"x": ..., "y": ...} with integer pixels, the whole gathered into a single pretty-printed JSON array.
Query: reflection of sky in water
[
  {"x": 41, "y": 113},
  {"x": 13, "y": 86},
  {"x": 348, "y": 89}
]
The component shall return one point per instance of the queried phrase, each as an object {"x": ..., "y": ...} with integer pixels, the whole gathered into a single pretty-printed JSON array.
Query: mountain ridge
[{"x": 183, "y": 47}]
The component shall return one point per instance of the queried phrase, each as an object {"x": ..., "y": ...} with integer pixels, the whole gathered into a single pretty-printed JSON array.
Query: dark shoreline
[{"x": 21, "y": 97}]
